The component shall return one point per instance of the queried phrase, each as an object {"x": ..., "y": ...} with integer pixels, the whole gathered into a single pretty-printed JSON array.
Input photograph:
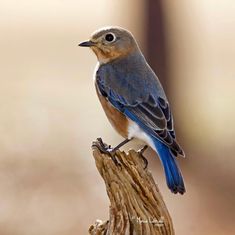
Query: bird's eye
[{"x": 110, "y": 37}]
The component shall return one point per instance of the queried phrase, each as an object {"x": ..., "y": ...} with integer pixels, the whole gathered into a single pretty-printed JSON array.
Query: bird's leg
[
  {"x": 141, "y": 151},
  {"x": 121, "y": 144},
  {"x": 104, "y": 148},
  {"x": 107, "y": 148}
]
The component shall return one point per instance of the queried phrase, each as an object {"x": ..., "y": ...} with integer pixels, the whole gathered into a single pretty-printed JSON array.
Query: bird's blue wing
[
  {"x": 149, "y": 110},
  {"x": 156, "y": 119}
]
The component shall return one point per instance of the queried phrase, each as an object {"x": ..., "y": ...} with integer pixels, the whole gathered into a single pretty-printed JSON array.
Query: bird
[{"x": 133, "y": 98}]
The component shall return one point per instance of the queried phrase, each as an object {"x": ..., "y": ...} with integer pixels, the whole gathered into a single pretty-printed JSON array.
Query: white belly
[{"x": 134, "y": 131}]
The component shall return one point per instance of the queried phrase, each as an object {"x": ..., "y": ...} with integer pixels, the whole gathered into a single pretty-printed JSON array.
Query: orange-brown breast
[{"x": 116, "y": 118}]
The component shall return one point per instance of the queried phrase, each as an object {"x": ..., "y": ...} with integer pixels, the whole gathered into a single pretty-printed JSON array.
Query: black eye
[{"x": 109, "y": 37}]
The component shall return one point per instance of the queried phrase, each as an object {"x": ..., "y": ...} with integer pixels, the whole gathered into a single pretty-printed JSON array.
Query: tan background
[{"x": 49, "y": 113}]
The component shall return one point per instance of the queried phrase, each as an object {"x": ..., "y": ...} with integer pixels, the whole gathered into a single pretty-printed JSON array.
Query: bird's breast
[{"x": 117, "y": 119}]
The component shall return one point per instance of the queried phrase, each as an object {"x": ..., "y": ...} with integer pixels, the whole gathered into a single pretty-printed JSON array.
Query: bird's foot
[
  {"x": 107, "y": 149},
  {"x": 141, "y": 152}
]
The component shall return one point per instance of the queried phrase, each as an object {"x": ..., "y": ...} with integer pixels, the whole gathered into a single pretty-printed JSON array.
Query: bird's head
[{"x": 111, "y": 43}]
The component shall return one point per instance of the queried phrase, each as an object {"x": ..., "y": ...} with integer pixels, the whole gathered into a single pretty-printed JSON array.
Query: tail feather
[{"x": 173, "y": 175}]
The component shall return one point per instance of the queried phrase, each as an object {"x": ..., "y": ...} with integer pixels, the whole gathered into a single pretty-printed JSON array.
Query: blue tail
[{"x": 174, "y": 178}]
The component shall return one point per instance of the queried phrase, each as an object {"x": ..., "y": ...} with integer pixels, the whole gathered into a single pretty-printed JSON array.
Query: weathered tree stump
[{"x": 136, "y": 205}]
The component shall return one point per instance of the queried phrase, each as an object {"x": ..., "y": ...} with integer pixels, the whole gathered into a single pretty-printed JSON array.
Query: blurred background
[{"x": 49, "y": 113}]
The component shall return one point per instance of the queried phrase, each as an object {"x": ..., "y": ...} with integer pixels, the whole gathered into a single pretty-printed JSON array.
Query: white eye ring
[{"x": 110, "y": 37}]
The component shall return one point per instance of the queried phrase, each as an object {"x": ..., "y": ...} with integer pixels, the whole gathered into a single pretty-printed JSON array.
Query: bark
[{"x": 136, "y": 204}]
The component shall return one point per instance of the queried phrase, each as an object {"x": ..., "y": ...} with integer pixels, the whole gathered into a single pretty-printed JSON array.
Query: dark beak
[{"x": 86, "y": 44}]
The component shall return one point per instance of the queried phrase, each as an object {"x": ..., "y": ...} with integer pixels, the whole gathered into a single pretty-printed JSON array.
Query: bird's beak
[{"x": 86, "y": 44}]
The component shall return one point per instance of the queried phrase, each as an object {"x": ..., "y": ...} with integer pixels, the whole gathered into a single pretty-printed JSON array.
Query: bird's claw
[
  {"x": 107, "y": 149},
  {"x": 141, "y": 151},
  {"x": 101, "y": 145}
]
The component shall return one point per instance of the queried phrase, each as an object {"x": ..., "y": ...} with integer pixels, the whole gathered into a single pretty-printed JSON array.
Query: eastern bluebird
[{"x": 133, "y": 98}]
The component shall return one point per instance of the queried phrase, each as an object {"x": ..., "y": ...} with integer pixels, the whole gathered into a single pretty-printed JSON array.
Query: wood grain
[{"x": 136, "y": 204}]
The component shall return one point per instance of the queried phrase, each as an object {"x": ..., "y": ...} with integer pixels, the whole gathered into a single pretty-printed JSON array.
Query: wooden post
[{"x": 136, "y": 205}]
